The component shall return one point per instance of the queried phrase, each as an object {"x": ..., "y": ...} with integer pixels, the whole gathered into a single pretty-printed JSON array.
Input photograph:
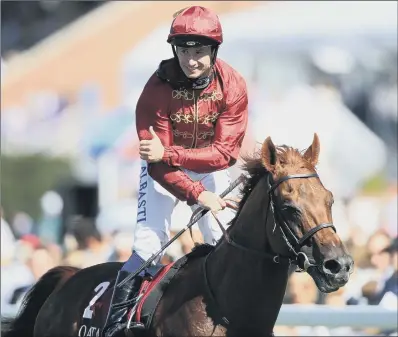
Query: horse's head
[{"x": 302, "y": 209}]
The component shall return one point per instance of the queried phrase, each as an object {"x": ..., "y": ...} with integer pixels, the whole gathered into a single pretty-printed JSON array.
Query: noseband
[{"x": 298, "y": 258}]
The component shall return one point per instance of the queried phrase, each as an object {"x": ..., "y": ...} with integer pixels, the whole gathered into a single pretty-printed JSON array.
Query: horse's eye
[{"x": 289, "y": 206}]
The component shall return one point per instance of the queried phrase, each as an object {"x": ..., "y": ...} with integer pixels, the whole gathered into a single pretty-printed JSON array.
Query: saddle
[
  {"x": 152, "y": 288},
  {"x": 149, "y": 295}
]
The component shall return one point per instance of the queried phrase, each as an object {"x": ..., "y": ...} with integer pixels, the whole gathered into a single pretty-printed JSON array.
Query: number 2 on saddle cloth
[{"x": 95, "y": 313}]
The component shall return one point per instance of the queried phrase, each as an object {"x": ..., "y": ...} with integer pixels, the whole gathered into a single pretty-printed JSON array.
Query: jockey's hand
[
  {"x": 151, "y": 150},
  {"x": 211, "y": 201}
]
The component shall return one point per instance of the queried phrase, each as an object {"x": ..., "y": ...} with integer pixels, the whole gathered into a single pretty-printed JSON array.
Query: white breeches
[{"x": 156, "y": 205}]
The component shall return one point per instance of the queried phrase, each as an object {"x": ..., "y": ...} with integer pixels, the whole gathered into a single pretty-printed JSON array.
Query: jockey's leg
[
  {"x": 216, "y": 182},
  {"x": 155, "y": 206}
]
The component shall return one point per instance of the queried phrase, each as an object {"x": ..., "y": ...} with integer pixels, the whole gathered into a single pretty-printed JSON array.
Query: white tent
[{"x": 350, "y": 152}]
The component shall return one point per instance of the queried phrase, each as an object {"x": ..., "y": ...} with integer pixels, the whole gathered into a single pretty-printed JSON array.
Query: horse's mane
[{"x": 253, "y": 165}]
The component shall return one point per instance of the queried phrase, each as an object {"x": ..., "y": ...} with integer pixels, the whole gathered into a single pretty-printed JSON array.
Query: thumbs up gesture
[{"x": 151, "y": 150}]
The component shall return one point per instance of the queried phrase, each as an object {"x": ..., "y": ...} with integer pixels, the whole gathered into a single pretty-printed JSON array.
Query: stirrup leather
[{"x": 133, "y": 311}]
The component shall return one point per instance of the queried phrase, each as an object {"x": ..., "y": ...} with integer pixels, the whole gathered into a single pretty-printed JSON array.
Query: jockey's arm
[
  {"x": 151, "y": 112},
  {"x": 224, "y": 151}
]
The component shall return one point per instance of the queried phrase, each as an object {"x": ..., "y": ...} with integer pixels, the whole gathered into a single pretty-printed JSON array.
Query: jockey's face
[{"x": 195, "y": 62}]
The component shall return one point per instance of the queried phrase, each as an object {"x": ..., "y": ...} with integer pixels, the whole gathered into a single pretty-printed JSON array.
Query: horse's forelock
[{"x": 288, "y": 155}]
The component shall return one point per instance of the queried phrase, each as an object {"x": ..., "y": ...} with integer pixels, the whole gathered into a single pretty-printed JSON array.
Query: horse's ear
[
  {"x": 312, "y": 153},
  {"x": 268, "y": 155}
]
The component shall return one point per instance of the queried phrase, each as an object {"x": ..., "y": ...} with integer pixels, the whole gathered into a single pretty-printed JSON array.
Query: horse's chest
[{"x": 182, "y": 317}]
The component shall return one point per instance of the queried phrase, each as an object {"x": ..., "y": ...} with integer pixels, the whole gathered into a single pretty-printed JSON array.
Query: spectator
[
  {"x": 387, "y": 295},
  {"x": 92, "y": 249},
  {"x": 379, "y": 258}
]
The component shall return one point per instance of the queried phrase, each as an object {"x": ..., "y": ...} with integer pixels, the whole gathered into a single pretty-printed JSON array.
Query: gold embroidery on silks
[
  {"x": 214, "y": 96},
  {"x": 186, "y": 134},
  {"x": 204, "y": 135},
  {"x": 183, "y": 134},
  {"x": 183, "y": 93},
  {"x": 210, "y": 118},
  {"x": 189, "y": 96},
  {"x": 179, "y": 117}
]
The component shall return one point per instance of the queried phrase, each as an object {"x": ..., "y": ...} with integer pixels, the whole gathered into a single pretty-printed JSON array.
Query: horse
[{"x": 234, "y": 288}]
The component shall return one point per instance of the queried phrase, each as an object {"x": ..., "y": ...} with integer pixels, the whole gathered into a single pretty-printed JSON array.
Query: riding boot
[{"x": 114, "y": 323}]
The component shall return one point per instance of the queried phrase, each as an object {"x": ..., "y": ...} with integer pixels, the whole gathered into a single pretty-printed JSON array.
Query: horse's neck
[{"x": 247, "y": 287}]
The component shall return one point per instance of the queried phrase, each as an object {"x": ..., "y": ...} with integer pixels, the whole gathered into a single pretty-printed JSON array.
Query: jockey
[{"x": 191, "y": 119}]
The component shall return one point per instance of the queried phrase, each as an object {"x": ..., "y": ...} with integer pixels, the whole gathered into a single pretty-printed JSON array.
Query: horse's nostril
[{"x": 333, "y": 266}]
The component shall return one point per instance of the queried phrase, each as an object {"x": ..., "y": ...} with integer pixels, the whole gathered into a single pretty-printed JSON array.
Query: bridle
[{"x": 298, "y": 258}]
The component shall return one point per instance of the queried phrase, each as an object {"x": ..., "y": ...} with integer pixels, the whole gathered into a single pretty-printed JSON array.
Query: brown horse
[{"x": 233, "y": 289}]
